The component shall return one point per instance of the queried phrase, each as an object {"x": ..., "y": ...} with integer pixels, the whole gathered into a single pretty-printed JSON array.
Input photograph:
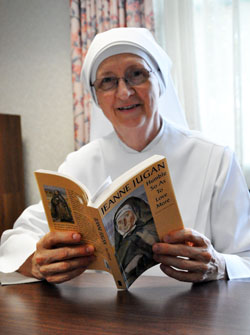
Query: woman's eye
[
  {"x": 137, "y": 76},
  {"x": 136, "y": 73},
  {"x": 107, "y": 80}
]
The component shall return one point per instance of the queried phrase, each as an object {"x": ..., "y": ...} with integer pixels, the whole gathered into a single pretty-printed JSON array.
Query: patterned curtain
[{"x": 89, "y": 17}]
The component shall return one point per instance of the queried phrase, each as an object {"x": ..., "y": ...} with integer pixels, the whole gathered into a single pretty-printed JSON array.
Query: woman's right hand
[{"x": 59, "y": 257}]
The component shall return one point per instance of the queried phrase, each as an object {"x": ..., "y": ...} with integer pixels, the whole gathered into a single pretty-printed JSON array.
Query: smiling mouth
[{"x": 128, "y": 107}]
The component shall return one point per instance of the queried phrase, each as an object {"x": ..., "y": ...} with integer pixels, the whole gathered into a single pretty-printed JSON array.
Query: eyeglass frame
[{"x": 117, "y": 81}]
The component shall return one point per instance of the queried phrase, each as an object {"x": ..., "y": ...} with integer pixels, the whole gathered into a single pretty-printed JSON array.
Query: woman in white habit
[{"x": 128, "y": 75}]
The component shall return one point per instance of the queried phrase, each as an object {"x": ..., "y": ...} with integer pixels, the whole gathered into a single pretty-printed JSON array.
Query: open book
[{"x": 122, "y": 221}]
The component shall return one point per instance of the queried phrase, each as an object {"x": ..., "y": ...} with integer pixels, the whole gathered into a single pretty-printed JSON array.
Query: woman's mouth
[{"x": 126, "y": 108}]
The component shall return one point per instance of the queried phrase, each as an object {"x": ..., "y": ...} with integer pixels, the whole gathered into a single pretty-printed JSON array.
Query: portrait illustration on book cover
[{"x": 133, "y": 234}]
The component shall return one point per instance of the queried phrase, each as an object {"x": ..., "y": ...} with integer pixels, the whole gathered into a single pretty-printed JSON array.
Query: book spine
[{"x": 110, "y": 259}]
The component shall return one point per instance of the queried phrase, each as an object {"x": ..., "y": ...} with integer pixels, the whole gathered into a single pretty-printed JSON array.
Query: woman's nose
[{"x": 123, "y": 90}]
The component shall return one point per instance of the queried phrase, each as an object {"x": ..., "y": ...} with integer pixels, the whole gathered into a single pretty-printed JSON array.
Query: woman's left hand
[{"x": 187, "y": 255}]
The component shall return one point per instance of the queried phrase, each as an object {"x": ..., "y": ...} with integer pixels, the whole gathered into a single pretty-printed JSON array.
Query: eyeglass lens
[{"x": 132, "y": 77}]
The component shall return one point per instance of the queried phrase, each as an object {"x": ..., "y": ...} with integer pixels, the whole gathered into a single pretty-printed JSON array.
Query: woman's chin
[{"x": 134, "y": 120}]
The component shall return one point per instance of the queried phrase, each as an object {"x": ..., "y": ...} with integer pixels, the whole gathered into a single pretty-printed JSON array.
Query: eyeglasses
[{"x": 132, "y": 77}]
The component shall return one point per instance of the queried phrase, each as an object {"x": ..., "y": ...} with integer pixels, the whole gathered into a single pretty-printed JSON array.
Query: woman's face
[
  {"x": 126, "y": 221},
  {"x": 129, "y": 107}
]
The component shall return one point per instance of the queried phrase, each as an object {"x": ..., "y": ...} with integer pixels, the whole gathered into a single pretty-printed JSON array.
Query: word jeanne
[{"x": 136, "y": 181}]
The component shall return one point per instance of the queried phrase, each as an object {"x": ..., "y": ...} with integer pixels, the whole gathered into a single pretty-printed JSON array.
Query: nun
[{"x": 128, "y": 76}]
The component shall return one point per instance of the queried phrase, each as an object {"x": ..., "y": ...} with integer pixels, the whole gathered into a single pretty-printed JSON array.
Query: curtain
[
  {"x": 174, "y": 30},
  {"x": 208, "y": 42},
  {"x": 89, "y": 17}
]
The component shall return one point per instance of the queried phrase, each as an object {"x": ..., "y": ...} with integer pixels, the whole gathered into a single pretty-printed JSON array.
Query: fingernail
[
  {"x": 89, "y": 250},
  {"x": 156, "y": 248},
  {"x": 76, "y": 236},
  {"x": 166, "y": 238}
]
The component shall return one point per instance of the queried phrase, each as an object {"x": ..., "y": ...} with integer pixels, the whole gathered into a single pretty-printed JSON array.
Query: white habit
[{"x": 210, "y": 189}]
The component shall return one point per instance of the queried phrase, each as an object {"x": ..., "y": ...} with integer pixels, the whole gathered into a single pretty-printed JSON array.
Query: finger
[
  {"x": 53, "y": 269},
  {"x": 183, "y": 250},
  {"x": 182, "y": 263},
  {"x": 63, "y": 277},
  {"x": 53, "y": 239},
  {"x": 36, "y": 270},
  {"x": 59, "y": 254},
  {"x": 186, "y": 236},
  {"x": 185, "y": 276}
]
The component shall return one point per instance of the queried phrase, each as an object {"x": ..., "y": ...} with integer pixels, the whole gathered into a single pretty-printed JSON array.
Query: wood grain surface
[{"x": 92, "y": 305}]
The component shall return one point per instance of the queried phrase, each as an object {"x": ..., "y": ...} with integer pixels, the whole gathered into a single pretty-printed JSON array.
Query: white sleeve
[
  {"x": 19, "y": 243},
  {"x": 230, "y": 218}
]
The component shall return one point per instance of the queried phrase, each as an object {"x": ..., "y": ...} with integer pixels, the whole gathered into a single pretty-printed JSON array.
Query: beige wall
[{"x": 35, "y": 81}]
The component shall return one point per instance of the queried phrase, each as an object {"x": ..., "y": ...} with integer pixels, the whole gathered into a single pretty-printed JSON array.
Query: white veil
[{"x": 115, "y": 41}]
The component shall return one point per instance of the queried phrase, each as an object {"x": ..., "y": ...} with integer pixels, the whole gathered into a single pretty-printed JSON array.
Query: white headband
[
  {"x": 123, "y": 210},
  {"x": 120, "y": 49}
]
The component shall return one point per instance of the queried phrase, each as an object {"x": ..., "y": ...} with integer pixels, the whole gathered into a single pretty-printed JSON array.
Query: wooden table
[{"x": 92, "y": 305}]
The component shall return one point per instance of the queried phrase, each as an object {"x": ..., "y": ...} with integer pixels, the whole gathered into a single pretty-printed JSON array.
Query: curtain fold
[
  {"x": 208, "y": 42},
  {"x": 175, "y": 33},
  {"x": 89, "y": 17}
]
